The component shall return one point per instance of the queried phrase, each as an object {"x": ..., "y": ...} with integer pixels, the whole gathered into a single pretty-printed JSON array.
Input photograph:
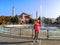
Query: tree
[
  {"x": 47, "y": 21},
  {"x": 31, "y": 21},
  {"x": 4, "y": 19},
  {"x": 39, "y": 18},
  {"x": 58, "y": 20},
  {"x": 14, "y": 20}
]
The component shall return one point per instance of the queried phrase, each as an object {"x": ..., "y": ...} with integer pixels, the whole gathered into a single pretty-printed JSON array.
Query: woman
[{"x": 37, "y": 29}]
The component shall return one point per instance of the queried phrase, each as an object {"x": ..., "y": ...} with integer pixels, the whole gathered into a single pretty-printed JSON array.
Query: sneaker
[
  {"x": 36, "y": 41},
  {"x": 33, "y": 41}
]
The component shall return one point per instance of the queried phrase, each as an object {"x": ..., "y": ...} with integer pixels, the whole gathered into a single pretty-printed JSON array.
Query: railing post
[
  {"x": 3, "y": 30},
  {"x": 47, "y": 34},
  {"x": 10, "y": 28},
  {"x": 20, "y": 31},
  {"x": 32, "y": 33}
]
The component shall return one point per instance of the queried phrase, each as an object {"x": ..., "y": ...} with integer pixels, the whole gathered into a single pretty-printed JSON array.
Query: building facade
[{"x": 24, "y": 18}]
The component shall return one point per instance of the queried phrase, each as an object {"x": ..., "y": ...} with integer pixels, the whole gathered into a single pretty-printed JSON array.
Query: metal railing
[{"x": 21, "y": 31}]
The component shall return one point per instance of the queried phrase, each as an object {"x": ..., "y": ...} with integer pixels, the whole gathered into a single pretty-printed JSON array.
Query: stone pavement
[{"x": 6, "y": 39}]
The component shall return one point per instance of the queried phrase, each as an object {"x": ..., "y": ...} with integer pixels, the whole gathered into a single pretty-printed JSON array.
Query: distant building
[
  {"x": 53, "y": 20},
  {"x": 24, "y": 17},
  {"x": 58, "y": 19}
]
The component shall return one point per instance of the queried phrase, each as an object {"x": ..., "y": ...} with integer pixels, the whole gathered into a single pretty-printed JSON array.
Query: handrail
[{"x": 47, "y": 31}]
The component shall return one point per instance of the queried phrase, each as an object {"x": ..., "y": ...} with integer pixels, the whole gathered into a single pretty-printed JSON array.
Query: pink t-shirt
[{"x": 37, "y": 26}]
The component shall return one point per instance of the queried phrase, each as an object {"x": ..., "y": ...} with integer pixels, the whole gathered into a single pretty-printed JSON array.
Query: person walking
[{"x": 37, "y": 29}]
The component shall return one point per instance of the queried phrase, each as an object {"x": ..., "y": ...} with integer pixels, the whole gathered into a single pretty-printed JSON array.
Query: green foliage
[
  {"x": 31, "y": 21},
  {"x": 14, "y": 20},
  {"x": 58, "y": 18},
  {"x": 47, "y": 21},
  {"x": 39, "y": 18}
]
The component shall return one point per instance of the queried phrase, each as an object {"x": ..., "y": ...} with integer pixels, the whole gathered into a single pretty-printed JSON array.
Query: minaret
[
  {"x": 36, "y": 15},
  {"x": 12, "y": 11}
]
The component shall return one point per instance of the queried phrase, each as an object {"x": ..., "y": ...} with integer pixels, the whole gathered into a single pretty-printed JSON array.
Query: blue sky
[
  {"x": 46, "y": 8},
  {"x": 51, "y": 8}
]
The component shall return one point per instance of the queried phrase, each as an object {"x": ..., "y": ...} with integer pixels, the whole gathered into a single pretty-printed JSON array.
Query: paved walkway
[{"x": 25, "y": 40}]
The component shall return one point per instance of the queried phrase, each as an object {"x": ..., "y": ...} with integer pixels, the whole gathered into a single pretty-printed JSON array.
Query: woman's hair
[{"x": 38, "y": 21}]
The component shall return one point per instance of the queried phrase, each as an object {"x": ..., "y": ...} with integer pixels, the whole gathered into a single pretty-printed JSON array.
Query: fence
[{"x": 30, "y": 32}]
